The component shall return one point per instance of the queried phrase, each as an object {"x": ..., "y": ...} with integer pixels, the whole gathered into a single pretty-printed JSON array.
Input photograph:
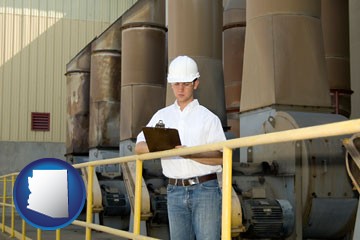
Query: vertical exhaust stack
[
  {"x": 355, "y": 56},
  {"x": 143, "y": 66},
  {"x": 285, "y": 86},
  {"x": 78, "y": 115},
  {"x": 335, "y": 24},
  {"x": 284, "y": 63},
  {"x": 234, "y": 40},
  {"x": 195, "y": 29},
  {"x": 105, "y": 83},
  {"x": 142, "y": 94},
  {"x": 77, "y": 104}
]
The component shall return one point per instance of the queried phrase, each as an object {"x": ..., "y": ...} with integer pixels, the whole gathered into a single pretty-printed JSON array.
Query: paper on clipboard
[{"x": 159, "y": 138}]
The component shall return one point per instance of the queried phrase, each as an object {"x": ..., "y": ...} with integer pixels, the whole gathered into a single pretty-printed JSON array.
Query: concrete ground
[
  {"x": 73, "y": 232},
  {"x": 70, "y": 232}
]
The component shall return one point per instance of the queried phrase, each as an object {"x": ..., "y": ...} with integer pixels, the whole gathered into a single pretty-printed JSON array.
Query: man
[{"x": 193, "y": 192}]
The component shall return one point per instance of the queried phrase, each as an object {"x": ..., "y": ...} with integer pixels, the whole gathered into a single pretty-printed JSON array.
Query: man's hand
[{"x": 208, "y": 158}]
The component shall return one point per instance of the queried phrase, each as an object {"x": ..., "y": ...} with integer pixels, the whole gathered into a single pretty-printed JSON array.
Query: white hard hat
[{"x": 182, "y": 69}]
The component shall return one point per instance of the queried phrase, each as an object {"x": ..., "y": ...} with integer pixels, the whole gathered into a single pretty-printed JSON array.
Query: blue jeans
[{"x": 194, "y": 211}]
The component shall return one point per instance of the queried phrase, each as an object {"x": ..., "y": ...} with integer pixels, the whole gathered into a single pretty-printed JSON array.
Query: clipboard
[{"x": 160, "y": 138}]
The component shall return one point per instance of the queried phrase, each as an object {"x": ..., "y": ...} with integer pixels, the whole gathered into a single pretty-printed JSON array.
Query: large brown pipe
[
  {"x": 195, "y": 29},
  {"x": 284, "y": 63},
  {"x": 335, "y": 24},
  {"x": 77, "y": 102},
  {"x": 143, "y": 66},
  {"x": 354, "y": 17},
  {"x": 105, "y": 82},
  {"x": 234, "y": 40}
]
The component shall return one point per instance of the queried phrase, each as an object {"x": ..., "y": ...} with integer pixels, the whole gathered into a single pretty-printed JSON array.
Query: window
[{"x": 40, "y": 121}]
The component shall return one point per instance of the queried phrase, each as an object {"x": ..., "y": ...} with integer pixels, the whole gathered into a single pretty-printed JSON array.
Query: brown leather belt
[{"x": 193, "y": 180}]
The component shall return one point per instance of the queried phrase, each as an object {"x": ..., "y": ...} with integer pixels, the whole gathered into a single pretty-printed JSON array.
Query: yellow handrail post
[
  {"x": 58, "y": 234},
  {"x": 4, "y": 202},
  {"x": 12, "y": 208},
  {"x": 38, "y": 234},
  {"x": 23, "y": 229},
  {"x": 138, "y": 185},
  {"x": 89, "y": 201},
  {"x": 226, "y": 194}
]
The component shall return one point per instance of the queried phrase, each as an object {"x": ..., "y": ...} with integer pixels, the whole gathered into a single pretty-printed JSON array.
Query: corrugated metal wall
[{"x": 37, "y": 39}]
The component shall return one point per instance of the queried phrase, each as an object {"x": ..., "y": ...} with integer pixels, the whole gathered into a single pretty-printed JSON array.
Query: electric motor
[{"x": 265, "y": 218}]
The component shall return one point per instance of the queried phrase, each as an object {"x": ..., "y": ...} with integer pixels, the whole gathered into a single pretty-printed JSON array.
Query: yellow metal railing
[{"x": 326, "y": 130}]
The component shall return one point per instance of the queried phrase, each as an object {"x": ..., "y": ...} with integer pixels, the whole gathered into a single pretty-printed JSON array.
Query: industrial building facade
[{"x": 37, "y": 40}]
